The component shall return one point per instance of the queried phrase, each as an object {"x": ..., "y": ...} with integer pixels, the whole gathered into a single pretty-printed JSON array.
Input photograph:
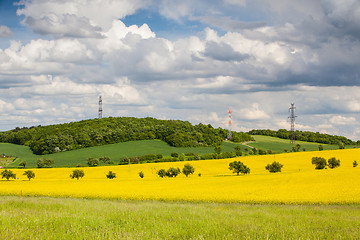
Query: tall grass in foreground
[{"x": 64, "y": 218}]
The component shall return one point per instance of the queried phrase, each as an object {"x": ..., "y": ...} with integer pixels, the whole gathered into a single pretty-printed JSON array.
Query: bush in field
[
  {"x": 188, "y": 169},
  {"x": 8, "y": 174},
  {"x": 77, "y": 174},
  {"x": 93, "y": 162},
  {"x": 104, "y": 159},
  {"x": 47, "y": 162},
  {"x": 174, "y": 155},
  {"x": 262, "y": 152},
  {"x": 161, "y": 173},
  {"x": 274, "y": 167},
  {"x": 321, "y": 147},
  {"x": 239, "y": 167},
  {"x": 319, "y": 162},
  {"x": 333, "y": 163},
  {"x": 124, "y": 160},
  {"x": 141, "y": 174},
  {"x": 173, "y": 172},
  {"x": 29, "y": 174},
  {"x": 23, "y": 164},
  {"x": 218, "y": 149},
  {"x": 355, "y": 163},
  {"x": 111, "y": 175}
]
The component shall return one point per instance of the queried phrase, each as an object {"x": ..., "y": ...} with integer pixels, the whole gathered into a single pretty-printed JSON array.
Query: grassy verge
[{"x": 64, "y": 218}]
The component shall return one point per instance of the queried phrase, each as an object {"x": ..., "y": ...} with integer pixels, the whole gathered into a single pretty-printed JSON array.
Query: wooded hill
[
  {"x": 305, "y": 136},
  {"x": 96, "y": 132}
]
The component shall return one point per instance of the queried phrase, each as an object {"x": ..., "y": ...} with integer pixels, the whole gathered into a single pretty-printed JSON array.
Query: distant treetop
[{"x": 304, "y": 136}]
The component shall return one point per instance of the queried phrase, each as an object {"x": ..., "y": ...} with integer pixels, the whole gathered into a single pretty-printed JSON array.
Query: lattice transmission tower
[
  {"x": 292, "y": 122},
  {"x": 100, "y": 107}
]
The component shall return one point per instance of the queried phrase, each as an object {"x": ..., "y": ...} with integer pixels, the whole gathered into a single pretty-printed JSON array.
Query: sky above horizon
[{"x": 187, "y": 60}]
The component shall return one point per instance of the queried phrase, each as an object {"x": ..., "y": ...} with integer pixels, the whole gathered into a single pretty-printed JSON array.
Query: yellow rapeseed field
[{"x": 298, "y": 182}]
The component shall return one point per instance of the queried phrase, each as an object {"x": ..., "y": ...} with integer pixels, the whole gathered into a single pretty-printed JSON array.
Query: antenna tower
[
  {"x": 100, "y": 107},
  {"x": 229, "y": 130},
  {"x": 292, "y": 122}
]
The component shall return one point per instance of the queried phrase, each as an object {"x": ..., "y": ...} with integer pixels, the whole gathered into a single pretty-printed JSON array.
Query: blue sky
[{"x": 188, "y": 60}]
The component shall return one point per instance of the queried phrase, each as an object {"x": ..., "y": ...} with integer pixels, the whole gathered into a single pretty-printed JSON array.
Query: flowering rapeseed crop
[{"x": 298, "y": 182}]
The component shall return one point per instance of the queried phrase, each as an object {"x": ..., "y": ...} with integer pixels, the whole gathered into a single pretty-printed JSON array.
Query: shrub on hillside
[
  {"x": 333, "y": 163},
  {"x": 319, "y": 162},
  {"x": 104, "y": 159},
  {"x": 47, "y": 162},
  {"x": 274, "y": 167},
  {"x": 174, "y": 155},
  {"x": 93, "y": 162},
  {"x": 22, "y": 164},
  {"x": 124, "y": 160}
]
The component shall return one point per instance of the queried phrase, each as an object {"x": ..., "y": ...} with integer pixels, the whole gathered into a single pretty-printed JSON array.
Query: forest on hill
[
  {"x": 96, "y": 132},
  {"x": 305, "y": 136}
]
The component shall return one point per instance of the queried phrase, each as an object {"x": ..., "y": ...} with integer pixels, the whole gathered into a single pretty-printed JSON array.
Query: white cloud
[
  {"x": 77, "y": 18},
  {"x": 253, "y": 113},
  {"x": 341, "y": 120}
]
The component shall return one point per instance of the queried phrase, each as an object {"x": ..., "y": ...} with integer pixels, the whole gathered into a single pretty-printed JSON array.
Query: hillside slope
[{"x": 96, "y": 132}]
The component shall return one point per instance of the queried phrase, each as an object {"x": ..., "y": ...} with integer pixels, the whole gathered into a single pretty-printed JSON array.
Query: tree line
[
  {"x": 305, "y": 136},
  {"x": 96, "y": 132}
]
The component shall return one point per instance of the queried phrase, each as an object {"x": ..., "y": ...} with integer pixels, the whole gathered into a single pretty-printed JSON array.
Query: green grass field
[
  {"x": 65, "y": 218},
  {"x": 278, "y": 145},
  {"x": 114, "y": 151}
]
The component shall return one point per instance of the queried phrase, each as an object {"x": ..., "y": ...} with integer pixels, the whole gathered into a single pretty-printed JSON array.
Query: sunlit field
[{"x": 298, "y": 183}]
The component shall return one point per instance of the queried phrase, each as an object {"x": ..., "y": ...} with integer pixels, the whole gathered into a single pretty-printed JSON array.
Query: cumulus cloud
[
  {"x": 341, "y": 120},
  {"x": 75, "y": 18},
  {"x": 304, "y": 52},
  {"x": 5, "y": 31},
  {"x": 253, "y": 113}
]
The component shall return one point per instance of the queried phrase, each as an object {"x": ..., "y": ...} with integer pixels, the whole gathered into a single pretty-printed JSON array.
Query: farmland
[
  {"x": 297, "y": 203},
  {"x": 298, "y": 183}
]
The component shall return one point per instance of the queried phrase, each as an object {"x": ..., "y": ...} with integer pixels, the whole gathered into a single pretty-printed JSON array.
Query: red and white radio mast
[{"x": 229, "y": 129}]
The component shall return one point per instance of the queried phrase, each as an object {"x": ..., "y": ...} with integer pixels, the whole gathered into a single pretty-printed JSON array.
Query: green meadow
[
  {"x": 279, "y": 145},
  {"x": 114, "y": 151},
  {"x": 66, "y": 218}
]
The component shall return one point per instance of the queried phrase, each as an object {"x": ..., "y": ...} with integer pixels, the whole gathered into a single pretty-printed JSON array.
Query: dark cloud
[
  {"x": 5, "y": 31},
  {"x": 223, "y": 52},
  {"x": 69, "y": 26},
  {"x": 228, "y": 24}
]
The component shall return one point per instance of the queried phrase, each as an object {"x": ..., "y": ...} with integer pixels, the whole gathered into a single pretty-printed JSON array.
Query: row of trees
[
  {"x": 7, "y": 174},
  {"x": 239, "y": 167},
  {"x": 305, "y": 136},
  {"x": 321, "y": 163},
  {"x": 95, "y": 132},
  {"x": 174, "y": 172}
]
